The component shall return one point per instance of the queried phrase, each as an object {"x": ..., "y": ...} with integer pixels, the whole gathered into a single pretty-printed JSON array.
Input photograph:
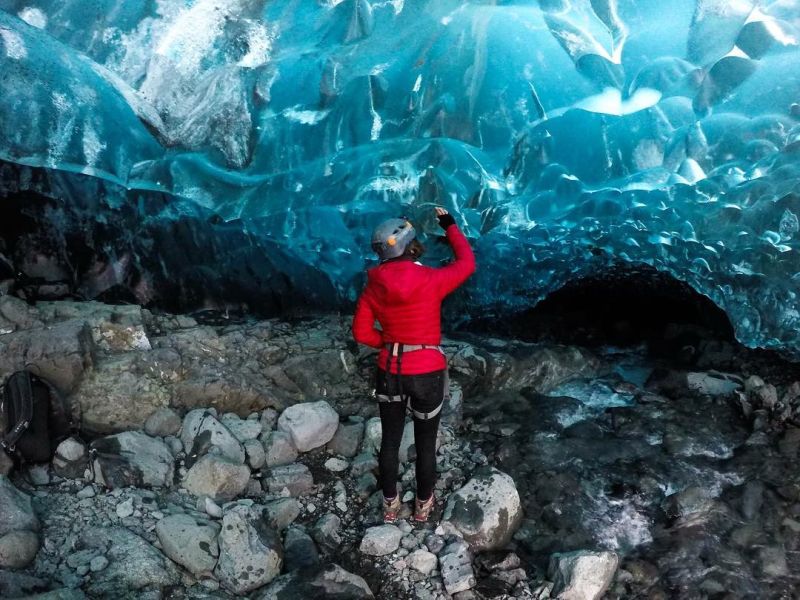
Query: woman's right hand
[{"x": 445, "y": 218}]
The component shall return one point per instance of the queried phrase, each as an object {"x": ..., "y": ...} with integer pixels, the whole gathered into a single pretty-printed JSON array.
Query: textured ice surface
[{"x": 566, "y": 135}]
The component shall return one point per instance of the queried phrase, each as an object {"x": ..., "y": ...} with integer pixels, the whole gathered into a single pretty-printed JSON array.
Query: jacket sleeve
[
  {"x": 364, "y": 330},
  {"x": 453, "y": 275}
]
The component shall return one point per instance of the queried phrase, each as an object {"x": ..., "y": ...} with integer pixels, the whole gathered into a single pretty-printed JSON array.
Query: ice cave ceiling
[{"x": 567, "y": 135}]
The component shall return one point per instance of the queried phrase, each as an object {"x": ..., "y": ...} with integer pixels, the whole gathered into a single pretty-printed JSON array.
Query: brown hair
[{"x": 414, "y": 250}]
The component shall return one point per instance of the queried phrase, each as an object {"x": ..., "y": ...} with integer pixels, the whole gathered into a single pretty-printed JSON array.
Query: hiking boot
[
  {"x": 390, "y": 509},
  {"x": 422, "y": 510}
]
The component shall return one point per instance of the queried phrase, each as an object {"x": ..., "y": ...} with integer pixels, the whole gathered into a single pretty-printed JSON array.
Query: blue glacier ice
[{"x": 567, "y": 136}]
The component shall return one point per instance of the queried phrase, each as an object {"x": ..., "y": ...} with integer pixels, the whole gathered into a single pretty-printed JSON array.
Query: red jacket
[{"x": 405, "y": 297}]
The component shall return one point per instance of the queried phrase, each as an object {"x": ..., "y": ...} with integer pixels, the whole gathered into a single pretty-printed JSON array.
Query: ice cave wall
[{"x": 567, "y": 135}]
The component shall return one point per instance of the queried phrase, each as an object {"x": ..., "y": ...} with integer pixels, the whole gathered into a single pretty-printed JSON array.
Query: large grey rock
[
  {"x": 295, "y": 478},
  {"x": 133, "y": 458},
  {"x": 242, "y": 429},
  {"x": 486, "y": 511},
  {"x": 713, "y": 383},
  {"x": 16, "y": 511},
  {"x": 134, "y": 565},
  {"x": 217, "y": 477},
  {"x": 326, "y": 532},
  {"x": 120, "y": 393},
  {"x": 310, "y": 424},
  {"x": 201, "y": 430},
  {"x": 190, "y": 542},
  {"x": 163, "y": 422},
  {"x": 61, "y": 352},
  {"x": 582, "y": 575},
  {"x": 279, "y": 449},
  {"x": 18, "y": 549},
  {"x": 324, "y": 581},
  {"x": 251, "y": 554},
  {"x": 71, "y": 459},
  {"x": 456, "y": 568},
  {"x": 347, "y": 439},
  {"x": 381, "y": 540}
]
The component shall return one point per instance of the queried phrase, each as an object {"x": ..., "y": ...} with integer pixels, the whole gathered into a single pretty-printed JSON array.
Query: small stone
[
  {"x": 125, "y": 509},
  {"x": 347, "y": 439},
  {"x": 381, "y": 540},
  {"x": 311, "y": 507},
  {"x": 310, "y": 424},
  {"x": 86, "y": 492},
  {"x": 582, "y": 574},
  {"x": 212, "y": 508},
  {"x": 281, "y": 513},
  {"x": 279, "y": 449},
  {"x": 326, "y": 532},
  {"x": 163, "y": 422},
  {"x": 363, "y": 463},
  {"x": 256, "y": 455},
  {"x": 217, "y": 477},
  {"x": 98, "y": 564},
  {"x": 336, "y": 465},
  {"x": 422, "y": 561},
  {"x": 295, "y": 478},
  {"x": 18, "y": 549}
]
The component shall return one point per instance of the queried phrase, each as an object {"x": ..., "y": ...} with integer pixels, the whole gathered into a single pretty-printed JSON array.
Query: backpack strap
[{"x": 22, "y": 380}]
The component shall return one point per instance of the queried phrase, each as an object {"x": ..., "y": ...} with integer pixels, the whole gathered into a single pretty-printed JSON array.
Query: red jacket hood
[{"x": 397, "y": 282}]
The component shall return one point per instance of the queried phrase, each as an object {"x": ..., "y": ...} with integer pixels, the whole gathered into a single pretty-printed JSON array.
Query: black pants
[{"x": 426, "y": 392}]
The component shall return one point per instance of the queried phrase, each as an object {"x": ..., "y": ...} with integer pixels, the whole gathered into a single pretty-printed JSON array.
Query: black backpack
[{"x": 34, "y": 418}]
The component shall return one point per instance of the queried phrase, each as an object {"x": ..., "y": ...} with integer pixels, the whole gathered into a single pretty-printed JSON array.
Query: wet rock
[
  {"x": 363, "y": 463},
  {"x": 71, "y": 459},
  {"x": 279, "y": 449},
  {"x": 381, "y": 540},
  {"x": 282, "y": 513},
  {"x": 752, "y": 499},
  {"x": 125, "y": 509},
  {"x": 486, "y": 511},
  {"x": 456, "y": 567},
  {"x": 201, "y": 430},
  {"x": 250, "y": 551},
  {"x": 190, "y": 542},
  {"x": 309, "y": 424},
  {"x": 713, "y": 383},
  {"x": 772, "y": 562},
  {"x": 453, "y": 408},
  {"x": 324, "y": 581},
  {"x": 347, "y": 439},
  {"x": 132, "y": 458},
  {"x": 134, "y": 564},
  {"x": 295, "y": 478},
  {"x": 211, "y": 508},
  {"x": 299, "y": 550},
  {"x": 163, "y": 422},
  {"x": 217, "y": 477},
  {"x": 372, "y": 436},
  {"x": 18, "y": 549},
  {"x": 336, "y": 465},
  {"x": 582, "y": 575}
]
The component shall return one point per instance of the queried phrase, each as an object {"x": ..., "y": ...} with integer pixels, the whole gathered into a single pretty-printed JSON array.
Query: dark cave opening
[{"x": 626, "y": 305}]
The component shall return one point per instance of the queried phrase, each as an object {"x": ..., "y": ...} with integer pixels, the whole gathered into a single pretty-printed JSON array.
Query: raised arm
[
  {"x": 364, "y": 330},
  {"x": 453, "y": 275}
]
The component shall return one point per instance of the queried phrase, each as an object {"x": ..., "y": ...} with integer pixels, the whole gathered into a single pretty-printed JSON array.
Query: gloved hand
[{"x": 445, "y": 218}]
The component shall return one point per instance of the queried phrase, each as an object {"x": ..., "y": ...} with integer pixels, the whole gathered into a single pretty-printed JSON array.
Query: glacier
[{"x": 200, "y": 151}]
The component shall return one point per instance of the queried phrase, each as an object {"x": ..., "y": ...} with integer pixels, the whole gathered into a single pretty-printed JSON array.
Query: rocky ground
[{"x": 222, "y": 459}]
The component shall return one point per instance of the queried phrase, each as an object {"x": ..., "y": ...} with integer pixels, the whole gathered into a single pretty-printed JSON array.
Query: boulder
[
  {"x": 16, "y": 511},
  {"x": 18, "y": 549},
  {"x": 217, "y": 477},
  {"x": 486, "y": 511},
  {"x": 61, "y": 352},
  {"x": 133, "y": 563},
  {"x": 250, "y": 551},
  {"x": 347, "y": 439},
  {"x": 310, "y": 424},
  {"x": 201, "y": 430},
  {"x": 279, "y": 449},
  {"x": 71, "y": 459},
  {"x": 323, "y": 581},
  {"x": 295, "y": 478},
  {"x": 582, "y": 575},
  {"x": 190, "y": 542},
  {"x": 133, "y": 458},
  {"x": 381, "y": 540},
  {"x": 163, "y": 422}
]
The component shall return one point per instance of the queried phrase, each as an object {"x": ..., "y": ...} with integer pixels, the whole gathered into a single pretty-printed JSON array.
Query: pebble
[
  {"x": 98, "y": 563},
  {"x": 311, "y": 507},
  {"x": 336, "y": 465},
  {"x": 87, "y": 492},
  {"x": 125, "y": 509},
  {"x": 212, "y": 508}
]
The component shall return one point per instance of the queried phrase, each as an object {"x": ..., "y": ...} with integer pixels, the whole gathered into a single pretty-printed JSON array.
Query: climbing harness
[{"x": 397, "y": 350}]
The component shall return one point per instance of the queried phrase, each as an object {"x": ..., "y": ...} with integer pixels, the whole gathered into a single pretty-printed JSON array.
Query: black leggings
[{"x": 426, "y": 392}]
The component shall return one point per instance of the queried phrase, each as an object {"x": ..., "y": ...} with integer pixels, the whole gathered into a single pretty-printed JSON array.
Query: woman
[{"x": 405, "y": 298}]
